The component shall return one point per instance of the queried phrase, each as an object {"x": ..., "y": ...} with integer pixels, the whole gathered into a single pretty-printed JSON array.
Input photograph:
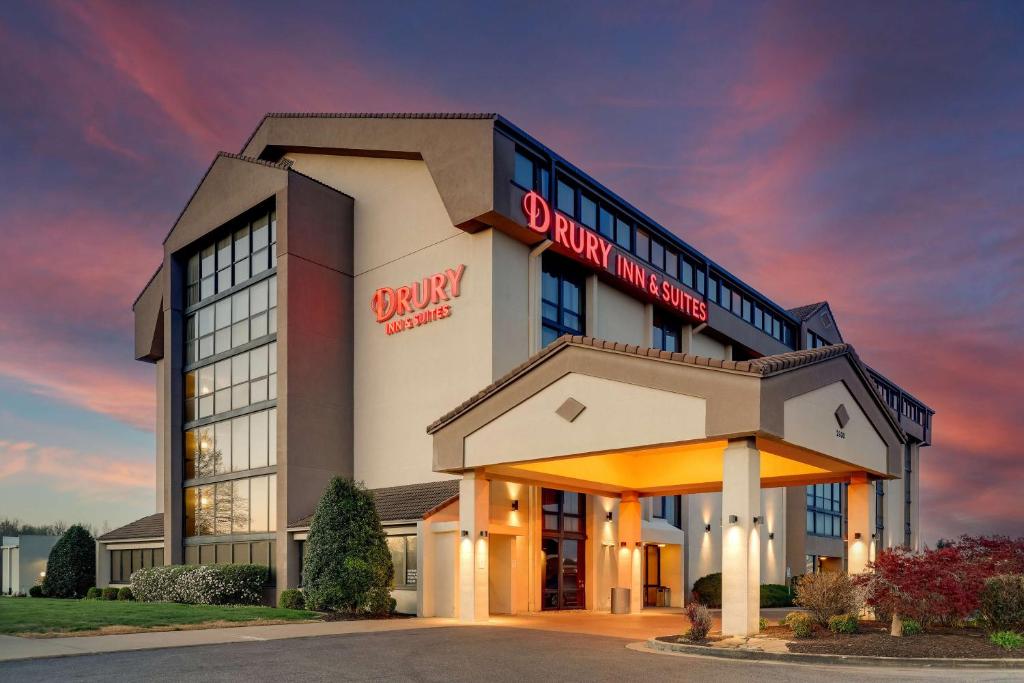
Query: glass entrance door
[
  {"x": 564, "y": 545},
  {"x": 652, "y": 574}
]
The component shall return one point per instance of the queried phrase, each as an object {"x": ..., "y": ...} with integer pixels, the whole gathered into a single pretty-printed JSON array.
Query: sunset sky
[{"x": 870, "y": 154}]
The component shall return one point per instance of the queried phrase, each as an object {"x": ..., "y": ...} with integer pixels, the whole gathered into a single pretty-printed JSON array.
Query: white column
[
  {"x": 474, "y": 511},
  {"x": 630, "y": 549},
  {"x": 860, "y": 513},
  {"x": 741, "y": 546}
]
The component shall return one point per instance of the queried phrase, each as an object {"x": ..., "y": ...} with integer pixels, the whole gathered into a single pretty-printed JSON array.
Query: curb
[{"x": 842, "y": 660}]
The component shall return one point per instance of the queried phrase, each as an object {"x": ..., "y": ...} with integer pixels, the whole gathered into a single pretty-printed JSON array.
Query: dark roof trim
[
  {"x": 151, "y": 526},
  {"x": 407, "y": 503},
  {"x": 805, "y": 312},
  {"x": 766, "y": 366}
]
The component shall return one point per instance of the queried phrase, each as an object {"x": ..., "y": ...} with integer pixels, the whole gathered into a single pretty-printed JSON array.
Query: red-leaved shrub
[{"x": 943, "y": 585}]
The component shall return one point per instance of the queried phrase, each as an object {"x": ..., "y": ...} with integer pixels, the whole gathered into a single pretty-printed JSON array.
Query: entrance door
[
  {"x": 564, "y": 545},
  {"x": 652, "y": 574}
]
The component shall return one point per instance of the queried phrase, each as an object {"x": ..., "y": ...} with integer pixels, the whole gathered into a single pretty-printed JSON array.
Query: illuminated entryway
[{"x": 621, "y": 423}]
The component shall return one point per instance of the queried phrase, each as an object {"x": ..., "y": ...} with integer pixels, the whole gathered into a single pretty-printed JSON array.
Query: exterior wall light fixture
[
  {"x": 757, "y": 520},
  {"x": 515, "y": 505},
  {"x": 874, "y": 536},
  {"x": 771, "y": 535},
  {"x": 608, "y": 516},
  {"x": 483, "y": 534},
  {"x": 857, "y": 535},
  {"x": 707, "y": 528},
  {"x": 733, "y": 519},
  {"x": 639, "y": 544},
  {"x": 465, "y": 533},
  {"x": 622, "y": 544}
]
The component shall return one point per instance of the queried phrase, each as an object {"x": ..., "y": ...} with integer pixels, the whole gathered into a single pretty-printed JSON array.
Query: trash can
[
  {"x": 664, "y": 596},
  {"x": 620, "y": 601}
]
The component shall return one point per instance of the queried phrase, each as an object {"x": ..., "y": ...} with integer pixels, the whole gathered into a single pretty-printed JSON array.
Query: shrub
[
  {"x": 912, "y": 627},
  {"x": 208, "y": 584},
  {"x": 347, "y": 565},
  {"x": 125, "y": 593},
  {"x": 94, "y": 593},
  {"x": 801, "y": 623},
  {"x": 826, "y": 595},
  {"x": 775, "y": 595},
  {"x": 707, "y": 590},
  {"x": 35, "y": 592},
  {"x": 71, "y": 567},
  {"x": 762, "y": 624},
  {"x": 700, "y": 622},
  {"x": 843, "y": 623},
  {"x": 1008, "y": 640},
  {"x": 1002, "y": 602},
  {"x": 292, "y": 599},
  {"x": 110, "y": 594}
]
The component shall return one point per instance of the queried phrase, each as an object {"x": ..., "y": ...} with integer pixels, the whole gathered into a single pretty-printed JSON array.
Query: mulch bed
[
  {"x": 874, "y": 641},
  {"x": 345, "y": 616}
]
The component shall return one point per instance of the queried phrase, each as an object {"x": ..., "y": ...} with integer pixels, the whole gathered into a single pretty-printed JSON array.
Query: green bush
[
  {"x": 707, "y": 590},
  {"x": 347, "y": 564},
  {"x": 801, "y": 623},
  {"x": 843, "y": 623},
  {"x": 208, "y": 584},
  {"x": 1002, "y": 602},
  {"x": 827, "y": 594},
  {"x": 94, "y": 593},
  {"x": 71, "y": 567},
  {"x": 762, "y": 624},
  {"x": 35, "y": 592},
  {"x": 292, "y": 599},
  {"x": 912, "y": 627},
  {"x": 775, "y": 595},
  {"x": 125, "y": 593},
  {"x": 1008, "y": 640},
  {"x": 700, "y": 622},
  {"x": 110, "y": 593}
]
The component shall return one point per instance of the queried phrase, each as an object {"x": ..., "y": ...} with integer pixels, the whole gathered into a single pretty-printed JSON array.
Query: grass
[{"x": 24, "y": 616}]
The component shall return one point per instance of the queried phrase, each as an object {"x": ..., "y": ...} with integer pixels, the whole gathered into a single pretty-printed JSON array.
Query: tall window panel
[
  {"x": 241, "y": 443},
  {"x": 245, "y": 316},
  {"x": 667, "y": 333},
  {"x": 825, "y": 510},
  {"x": 245, "y": 253},
  {"x": 245, "y": 379},
  {"x": 562, "y": 301},
  {"x": 239, "y": 506}
]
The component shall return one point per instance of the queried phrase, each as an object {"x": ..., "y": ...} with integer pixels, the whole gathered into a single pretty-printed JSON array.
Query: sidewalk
[{"x": 13, "y": 647}]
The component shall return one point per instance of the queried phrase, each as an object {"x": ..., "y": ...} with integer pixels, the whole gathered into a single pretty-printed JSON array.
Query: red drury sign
[
  {"x": 417, "y": 303},
  {"x": 595, "y": 250}
]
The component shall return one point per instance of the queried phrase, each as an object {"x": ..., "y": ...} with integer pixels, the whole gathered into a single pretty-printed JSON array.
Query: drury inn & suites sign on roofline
[{"x": 593, "y": 250}]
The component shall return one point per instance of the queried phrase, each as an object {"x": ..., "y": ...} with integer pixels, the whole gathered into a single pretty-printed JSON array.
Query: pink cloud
[{"x": 91, "y": 475}]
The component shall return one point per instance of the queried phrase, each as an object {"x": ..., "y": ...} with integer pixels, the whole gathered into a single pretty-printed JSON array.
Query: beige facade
[{"x": 369, "y": 204}]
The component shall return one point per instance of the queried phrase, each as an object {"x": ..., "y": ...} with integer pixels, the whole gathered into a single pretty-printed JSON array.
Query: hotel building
[{"x": 550, "y": 394}]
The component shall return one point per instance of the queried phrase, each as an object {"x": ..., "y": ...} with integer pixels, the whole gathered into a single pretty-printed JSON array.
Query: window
[
  {"x": 523, "y": 173},
  {"x": 403, "y": 559},
  {"x": 825, "y": 510},
  {"x": 245, "y": 316},
  {"x": 245, "y": 379},
  {"x": 234, "y": 445},
  {"x": 643, "y": 245},
  {"x": 658, "y": 254},
  {"x": 814, "y": 341},
  {"x": 666, "y": 333},
  {"x": 566, "y": 199},
  {"x": 606, "y": 223},
  {"x": 239, "y": 506},
  {"x": 562, "y": 306},
  {"x": 623, "y": 234},
  {"x": 233, "y": 259},
  {"x": 245, "y": 552},
  {"x": 688, "y": 271},
  {"x": 588, "y": 212},
  {"x": 747, "y": 313},
  {"x": 724, "y": 296},
  {"x": 672, "y": 263},
  {"x": 123, "y": 563}
]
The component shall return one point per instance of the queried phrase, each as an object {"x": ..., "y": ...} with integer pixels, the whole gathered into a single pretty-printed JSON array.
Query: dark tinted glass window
[
  {"x": 623, "y": 234},
  {"x": 643, "y": 245},
  {"x": 606, "y": 223},
  {"x": 562, "y": 310},
  {"x": 658, "y": 254},
  {"x": 523, "y": 171},
  {"x": 588, "y": 212},
  {"x": 566, "y": 199}
]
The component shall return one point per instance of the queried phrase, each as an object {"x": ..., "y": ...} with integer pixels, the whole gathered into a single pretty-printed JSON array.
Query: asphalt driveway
[{"x": 486, "y": 653}]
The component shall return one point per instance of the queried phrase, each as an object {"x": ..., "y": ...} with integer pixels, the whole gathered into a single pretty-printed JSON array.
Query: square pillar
[
  {"x": 860, "y": 512},
  {"x": 474, "y": 515},
  {"x": 741, "y": 545},
  {"x": 630, "y": 551}
]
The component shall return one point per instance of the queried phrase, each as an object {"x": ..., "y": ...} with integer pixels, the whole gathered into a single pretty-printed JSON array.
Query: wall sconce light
[
  {"x": 757, "y": 520},
  {"x": 515, "y": 505},
  {"x": 465, "y": 533},
  {"x": 771, "y": 535},
  {"x": 622, "y": 544},
  {"x": 639, "y": 544},
  {"x": 483, "y": 534},
  {"x": 874, "y": 536},
  {"x": 733, "y": 519},
  {"x": 857, "y": 535},
  {"x": 608, "y": 516},
  {"x": 707, "y": 528}
]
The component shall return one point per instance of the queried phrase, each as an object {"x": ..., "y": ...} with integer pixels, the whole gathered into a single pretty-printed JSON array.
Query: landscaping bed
[
  {"x": 874, "y": 640},
  {"x": 45, "y": 617}
]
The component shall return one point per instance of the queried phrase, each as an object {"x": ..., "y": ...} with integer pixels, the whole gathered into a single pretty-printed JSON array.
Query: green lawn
[{"x": 46, "y": 615}]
